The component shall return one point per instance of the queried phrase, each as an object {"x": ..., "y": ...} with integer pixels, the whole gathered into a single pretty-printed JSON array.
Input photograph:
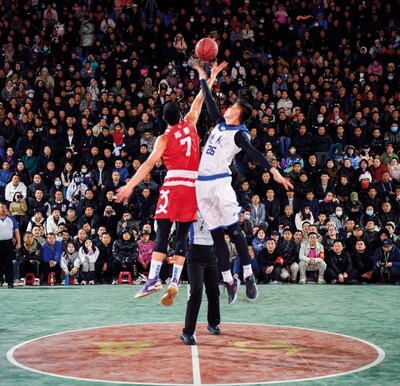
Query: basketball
[{"x": 206, "y": 49}]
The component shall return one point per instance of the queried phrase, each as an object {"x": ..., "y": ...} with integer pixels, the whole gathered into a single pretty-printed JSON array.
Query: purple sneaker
[
  {"x": 251, "y": 288},
  {"x": 232, "y": 289},
  {"x": 151, "y": 286}
]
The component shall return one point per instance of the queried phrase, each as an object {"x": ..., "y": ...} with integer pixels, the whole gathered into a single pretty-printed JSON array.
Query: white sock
[
  {"x": 227, "y": 276},
  {"x": 247, "y": 271},
  {"x": 176, "y": 272},
  {"x": 155, "y": 268}
]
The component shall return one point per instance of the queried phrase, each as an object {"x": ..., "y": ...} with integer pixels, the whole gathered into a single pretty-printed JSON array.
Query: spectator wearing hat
[
  {"x": 387, "y": 262},
  {"x": 353, "y": 207},
  {"x": 350, "y": 153},
  {"x": 125, "y": 255},
  {"x": 391, "y": 227}
]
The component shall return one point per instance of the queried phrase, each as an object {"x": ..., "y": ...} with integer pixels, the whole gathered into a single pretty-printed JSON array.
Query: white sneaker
[
  {"x": 137, "y": 281},
  {"x": 114, "y": 282},
  {"x": 16, "y": 282},
  {"x": 91, "y": 282},
  {"x": 83, "y": 282},
  {"x": 76, "y": 282},
  {"x": 63, "y": 282},
  {"x": 36, "y": 282},
  {"x": 22, "y": 283}
]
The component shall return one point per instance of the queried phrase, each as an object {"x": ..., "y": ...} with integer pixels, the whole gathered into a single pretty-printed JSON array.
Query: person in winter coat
[
  {"x": 271, "y": 263},
  {"x": 125, "y": 253},
  {"x": 70, "y": 264},
  {"x": 51, "y": 257},
  {"x": 312, "y": 258},
  {"x": 387, "y": 262},
  {"x": 339, "y": 266},
  {"x": 88, "y": 255},
  {"x": 361, "y": 258},
  {"x": 287, "y": 249},
  {"x": 29, "y": 257}
]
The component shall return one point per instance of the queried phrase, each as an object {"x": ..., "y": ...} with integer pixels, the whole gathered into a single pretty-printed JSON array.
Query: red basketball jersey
[{"x": 183, "y": 150}]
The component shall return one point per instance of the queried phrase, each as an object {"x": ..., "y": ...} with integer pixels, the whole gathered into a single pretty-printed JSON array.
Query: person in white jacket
[
  {"x": 53, "y": 221},
  {"x": 88, "y": 255},
  {"x": 14, "y": 186},
  {"x": 70, "y": 264},
  {"x": 286, "y": 103},
  {"x": 311, "y": 258}
]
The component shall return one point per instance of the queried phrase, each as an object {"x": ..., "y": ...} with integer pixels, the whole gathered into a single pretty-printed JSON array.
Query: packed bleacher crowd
[{"x": 82, "y": 88}]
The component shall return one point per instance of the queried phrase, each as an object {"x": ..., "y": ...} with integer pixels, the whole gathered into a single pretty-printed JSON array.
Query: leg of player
[
  {"x": 153, "y": 283},
  {"x": 182, "y": 230},
  {"x": 232, "y": 284},
  {"x": 243, "y": 251}
]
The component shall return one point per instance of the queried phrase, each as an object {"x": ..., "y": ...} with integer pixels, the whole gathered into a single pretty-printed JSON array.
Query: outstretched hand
[
  {"x": 123, "y": 194},
  {"x": 217, "y": 68},
  {"x": 285, "y": 182}
]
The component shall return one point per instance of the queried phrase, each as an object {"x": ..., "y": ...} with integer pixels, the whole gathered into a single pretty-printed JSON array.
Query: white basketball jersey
[{"x": 220, "y": 150}]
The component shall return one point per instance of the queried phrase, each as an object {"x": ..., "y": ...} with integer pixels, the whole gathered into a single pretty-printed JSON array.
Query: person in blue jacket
[
  {"x": 387, "y": 262},
  {"x": 51, "y": 257}
]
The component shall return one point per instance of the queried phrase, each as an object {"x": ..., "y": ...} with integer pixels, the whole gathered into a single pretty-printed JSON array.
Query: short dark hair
[
  {"x": 245, "y": 110},
  {"x": 172, "y": 113}
]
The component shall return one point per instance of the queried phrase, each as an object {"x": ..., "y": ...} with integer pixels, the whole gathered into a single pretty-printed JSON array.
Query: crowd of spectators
[{"x": 82, "y": 87}]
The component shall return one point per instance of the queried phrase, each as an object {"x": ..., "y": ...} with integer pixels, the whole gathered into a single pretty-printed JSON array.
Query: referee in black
[
  {"x": 8, "y": 231},
  {"x": 202, "y": 267}
]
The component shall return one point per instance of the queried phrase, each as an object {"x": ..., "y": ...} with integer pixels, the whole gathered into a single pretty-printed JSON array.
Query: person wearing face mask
[
  {"x": 191, "y": 77},
  {"x": 339, "y": 218},
  {"x": 369, "y": 215},
  {"x": 238, "y": 71},
  {"x": 392, "y": 135}
]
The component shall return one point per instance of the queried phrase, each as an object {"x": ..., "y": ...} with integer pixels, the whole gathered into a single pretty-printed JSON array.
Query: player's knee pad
[{"x": 182, "y": 230}]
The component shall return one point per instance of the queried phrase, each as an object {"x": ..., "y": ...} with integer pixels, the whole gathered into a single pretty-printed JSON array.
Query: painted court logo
[{"x": 122, "y": 354}]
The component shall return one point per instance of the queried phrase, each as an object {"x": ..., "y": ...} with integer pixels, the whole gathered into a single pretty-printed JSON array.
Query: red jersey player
[{"x": 179, "y": 148}]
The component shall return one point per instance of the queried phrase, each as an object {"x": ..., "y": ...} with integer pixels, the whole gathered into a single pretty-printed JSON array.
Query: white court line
[
  {"x": 195, "y": 355},
  {"x": 196, "y": 366},
  {"x": 379, "y": 359}
]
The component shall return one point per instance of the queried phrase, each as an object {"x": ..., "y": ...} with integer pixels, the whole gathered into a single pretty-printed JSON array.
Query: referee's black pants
[
  {"x": 202, "y": 268},
  {"x": 6, "y": 259}
]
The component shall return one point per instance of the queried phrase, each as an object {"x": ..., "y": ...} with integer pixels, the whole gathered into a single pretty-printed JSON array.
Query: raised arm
[{"x": 195, "y": 110}]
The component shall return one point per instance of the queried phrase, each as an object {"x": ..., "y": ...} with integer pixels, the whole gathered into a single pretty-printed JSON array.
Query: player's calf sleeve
[
  {"x": 221, "y": 248},
  {"x": 239, "y": 240}
]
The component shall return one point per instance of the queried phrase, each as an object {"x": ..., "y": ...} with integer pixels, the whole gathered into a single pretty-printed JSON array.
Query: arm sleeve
[
  {"x": 212, "y": 107},
  {"x": 242, "y": 142}
]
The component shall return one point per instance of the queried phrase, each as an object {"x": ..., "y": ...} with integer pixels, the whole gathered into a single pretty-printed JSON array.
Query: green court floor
[{"x": 370, "y": 313}]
